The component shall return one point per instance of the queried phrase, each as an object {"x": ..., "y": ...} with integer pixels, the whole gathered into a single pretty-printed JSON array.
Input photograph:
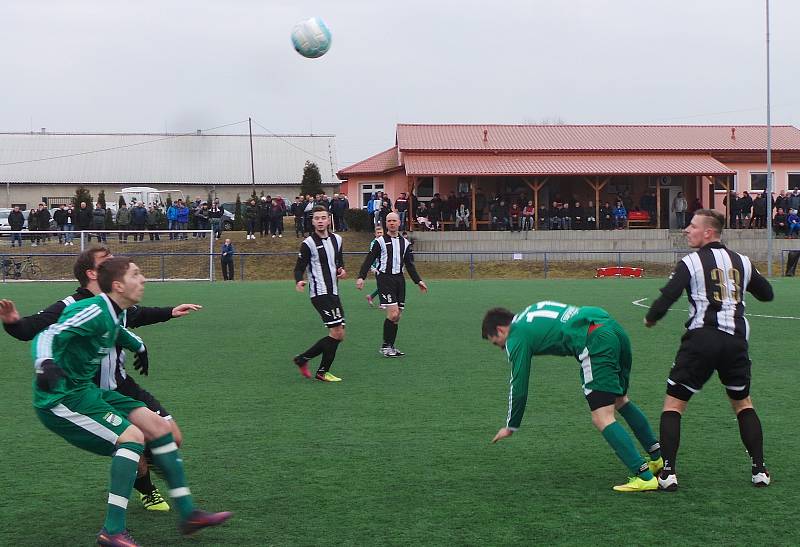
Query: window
[
  {"x": 758, "y": 181},
  {"x": 730, "y": 181},
  {"x": 794, "y": 181},
  {"x": 367, "y": 189},
  {"x": 425, "y": 188}
]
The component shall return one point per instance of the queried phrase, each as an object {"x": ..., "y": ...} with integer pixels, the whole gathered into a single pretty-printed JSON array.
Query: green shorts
[
  {"x": 92, "y": 419},
  {"x": 606, "y": 359}
]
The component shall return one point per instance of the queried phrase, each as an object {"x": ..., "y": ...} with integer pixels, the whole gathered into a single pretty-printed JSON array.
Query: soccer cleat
[
  {"x": 656, "y": 466},
  {"x": 202, "y": 519},
  {"x": 637, "y": 484},
  {"x": 761, "y": 480},
  {"x": 327, "y": 377},
  {"x": 123, "y": 539},
  {"x": 154, "y": 501},
  {"x": 667, "y": 483},
  {"x": 302, "y": 364},
  {"x": 391, "y": 351}
]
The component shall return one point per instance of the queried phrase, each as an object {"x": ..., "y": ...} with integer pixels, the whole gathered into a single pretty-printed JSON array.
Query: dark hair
[
  {"x": 86, "y": 261},
  {"x": 113, "y": 269},
  {"x": 715, "y": 219},
  {"x": 319, "y": 209},
  {"x": 496, "y": 317}
]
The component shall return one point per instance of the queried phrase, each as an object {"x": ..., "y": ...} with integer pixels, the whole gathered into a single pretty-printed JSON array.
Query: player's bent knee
[
  {"x": 738, "y": 394},
  {"x": 131, "y": 435},
  {"x": 740, "y": 404},
  {"x": 337, "y": 333},
  {"x": 679, "y": 391}
]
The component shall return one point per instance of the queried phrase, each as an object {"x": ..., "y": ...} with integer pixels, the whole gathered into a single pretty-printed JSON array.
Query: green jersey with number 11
[{"x": 544, "y": 328}]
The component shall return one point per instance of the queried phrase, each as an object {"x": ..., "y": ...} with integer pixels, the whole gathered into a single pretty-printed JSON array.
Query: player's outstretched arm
[
  {"x": 185, "y": 309},
  {"x": 8, "y": 312},
  {"x": 26, "y": 328}
]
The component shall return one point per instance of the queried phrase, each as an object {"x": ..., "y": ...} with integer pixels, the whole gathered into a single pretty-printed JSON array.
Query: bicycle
[{"x": 26, "y": 267}]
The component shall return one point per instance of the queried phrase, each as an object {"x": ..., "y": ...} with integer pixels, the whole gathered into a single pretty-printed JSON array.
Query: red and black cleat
[
  {"x": 302, "y": 364},
  {"x": 202, "y": 519},
  {"x": 123, "y": 539}
]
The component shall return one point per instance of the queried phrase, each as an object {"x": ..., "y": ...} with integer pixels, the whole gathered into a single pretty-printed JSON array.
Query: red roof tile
[
  {"x": 567, "y": 164},
  {"x": 379, "y": 163},
  {"x": 594, "y": 137}
]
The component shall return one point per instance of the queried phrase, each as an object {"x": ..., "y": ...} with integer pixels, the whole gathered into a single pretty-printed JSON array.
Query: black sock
[
  {"x": 328, "y": 355},
  {"x": 144, "y": 485},
  {"x": 316, "y": 349},
  {"x": 389, "y": 332},
  {"x": 752, "y": 437},
  {"x": 670, "y": 439}
]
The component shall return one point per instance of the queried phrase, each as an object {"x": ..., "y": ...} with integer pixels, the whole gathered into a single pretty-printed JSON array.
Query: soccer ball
[{"x": 311, "y": 38}]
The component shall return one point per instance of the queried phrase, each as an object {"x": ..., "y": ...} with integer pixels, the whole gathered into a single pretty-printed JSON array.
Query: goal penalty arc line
[{"x": 641, "y": 305}]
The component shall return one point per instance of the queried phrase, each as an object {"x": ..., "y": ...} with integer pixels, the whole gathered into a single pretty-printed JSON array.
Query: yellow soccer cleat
[
  {"x": 637, "y": 484},
  {"x": 154, "y": 501},
  {"x": 328, "y": 377},
  {"x": 656, "y": 466}
]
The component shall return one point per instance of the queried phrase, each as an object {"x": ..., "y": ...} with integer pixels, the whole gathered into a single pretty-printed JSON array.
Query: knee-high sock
[
  {"x": 637, "y": 421},
  {"x": 316, "y": 349},
  {"x": 616, "y": 436},
  {"x": 752, "y": 437},
  {"x": 166, "y": 456},
  {"x": 328, "y": 355},
  {"x": 144, "y": 484},
  {"x": 389, "y": 332},
  {"x": 123, "y": 473},
  {"x": 670, "y": 439}
]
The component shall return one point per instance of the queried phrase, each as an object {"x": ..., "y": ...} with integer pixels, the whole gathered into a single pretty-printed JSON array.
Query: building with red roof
[{"x": 587, "y": 163}]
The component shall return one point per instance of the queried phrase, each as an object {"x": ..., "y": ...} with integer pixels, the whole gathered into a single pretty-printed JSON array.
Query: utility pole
[
  {"x": 252, "y": 165},
  {"x": 769, "y": 163}
]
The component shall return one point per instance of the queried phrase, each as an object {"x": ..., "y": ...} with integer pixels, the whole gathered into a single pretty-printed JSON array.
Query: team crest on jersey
[{"x": 113, "y": 419}]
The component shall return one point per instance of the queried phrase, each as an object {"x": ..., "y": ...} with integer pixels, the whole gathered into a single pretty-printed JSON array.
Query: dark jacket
[
  {"x": 227, "y": 252},
  {"x": 83, "y": 218},
  {"x": 138, "y": 216},
  {"x": 42, "y": 218},
  {"x": 60, "y": 216},
  {"x": 99, "y": 218},
  {"x": 16, "y": 220}
]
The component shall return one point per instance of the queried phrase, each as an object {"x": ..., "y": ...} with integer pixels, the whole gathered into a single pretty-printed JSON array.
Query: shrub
[{"x": 358, "y": 220}]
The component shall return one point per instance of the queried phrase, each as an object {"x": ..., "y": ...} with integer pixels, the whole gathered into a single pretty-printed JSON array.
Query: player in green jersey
[
  {"x": 603, "y": 350},
  {"x": 67, "y": 356}
]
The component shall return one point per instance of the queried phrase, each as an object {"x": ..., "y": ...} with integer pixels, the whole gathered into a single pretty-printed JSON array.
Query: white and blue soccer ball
[{"x": 311, "y": 38}]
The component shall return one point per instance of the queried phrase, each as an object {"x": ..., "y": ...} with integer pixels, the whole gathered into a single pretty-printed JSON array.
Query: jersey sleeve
[
  {"x": 339, "y": 253},
  {"x": 678, "y": 281},
  {"x": 26, "y": 328},
  {"x": 519, "y": 357},
  {"x": 303, "y": 258},
  {"x": 760, "y": 287},
  {"x": 128, "y": 340},
  {"x": 140, "y": 316},
  {"x": 411, "y": 268},
  {"x": 75, "y": 323},
  {"x": 372, "y": 256}
]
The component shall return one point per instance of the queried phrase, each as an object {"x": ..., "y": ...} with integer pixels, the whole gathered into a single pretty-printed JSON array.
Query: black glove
[
  {"x": 48, "y": 374},
  {"x": 141, "y": 362}
]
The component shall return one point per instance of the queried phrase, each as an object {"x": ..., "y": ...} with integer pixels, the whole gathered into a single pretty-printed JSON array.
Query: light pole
[{"x": 769, "y": 163}]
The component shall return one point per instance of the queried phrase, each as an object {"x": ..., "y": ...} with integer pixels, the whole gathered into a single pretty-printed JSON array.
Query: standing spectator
[
  {"x": 227, "y": 260},
  {"x": 793, "y": 199},
  {"x": 578, "y": 216},
  {"x": 33, "y": 227},
  {"x": 377, "y": 203},
  {"x": 462, "y": 217},
  {"x": 153, "y": 220},
  {"x": 16, "y": 220},
  {"x": 123, "y": 222},
  {"x": 60, "y": 218},
  {"x": 69, "y": 226},
  {"x": 183, "y": 219},
  {"x": 42, "y": 221},
  {"x": 83, "y": 217},
  {"x": 386, "y": 208},
  {"x": 679, "y": 207},
  {"x": 401, "y": 206},
  {"x": 99, "y": 223},
  {"x": 297, "y": 210},
  {"x": 606, "y": 216},
  {"x": 759, "y": 211},
  {"x": 276, "y": 219},
  {"x": 620, "y": 215},
  {"x": 172, "y": 219},
  {"x": 203, "y": 219},
  {"x": 308, "y": 213},
  {"x": 251, "y": 216},
  {"x": 781, "y": 202},
  {"x": 139, "y": 221},
  {"x": 746, "y": 209},
  {"x": 449, "y": 207},
  {"x": 215, "y": 214},
  {"x": 264, "y": 215}
]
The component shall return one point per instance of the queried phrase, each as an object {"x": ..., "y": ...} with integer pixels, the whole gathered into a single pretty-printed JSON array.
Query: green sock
[
  {"x": 123, "y": 473},
  {"x": 166, "y": 456},
  {"x": 641, "y": 428},
  {"x": 621, "y": 442}
]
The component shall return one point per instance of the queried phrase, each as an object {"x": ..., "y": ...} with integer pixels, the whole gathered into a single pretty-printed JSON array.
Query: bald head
[{"x": 392, "y": 224}]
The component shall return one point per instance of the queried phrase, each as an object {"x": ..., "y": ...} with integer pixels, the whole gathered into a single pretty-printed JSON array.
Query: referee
[
  {"x": 714, "y": 279},
  {"x": 392, "y": 252},
  {"x": 321, "y": 258}
]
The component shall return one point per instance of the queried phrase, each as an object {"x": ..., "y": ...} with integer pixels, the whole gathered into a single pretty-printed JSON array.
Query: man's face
[
  {"x": 500, "y": 338},
  {"x": 132, "y": 284},
  {"x": 392, "y": 223},
  {"x": 696, "y": 231},
  {"x": 321, "y": 221},
  {"x": 378, "y": 232}
]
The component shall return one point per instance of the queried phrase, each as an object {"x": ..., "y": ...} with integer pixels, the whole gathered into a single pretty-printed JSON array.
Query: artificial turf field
[{"x": 398, "y": 453}]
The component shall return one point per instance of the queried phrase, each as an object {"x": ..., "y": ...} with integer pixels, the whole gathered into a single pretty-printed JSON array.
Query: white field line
[{"x": 639, "y": 303}]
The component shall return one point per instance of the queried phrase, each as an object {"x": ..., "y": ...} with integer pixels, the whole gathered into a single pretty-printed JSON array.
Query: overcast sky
[{"x": 181, "y": 65}]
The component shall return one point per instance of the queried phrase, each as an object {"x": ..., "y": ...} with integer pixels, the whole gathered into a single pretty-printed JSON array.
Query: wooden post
[
  {"x": 536, "y": 186},
  {"x": 474, "y": 206},
  {"x": 597, "y": 185},
  {"x": 410, "y": 213},
  {"x": 658, "y": 203}
]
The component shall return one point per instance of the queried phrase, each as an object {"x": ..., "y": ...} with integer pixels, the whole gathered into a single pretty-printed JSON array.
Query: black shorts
[
  {"x": 330, "y": 309},
  {"x": 703, "y": 351},
  {"x": 392, "y": 290},
  {"x": 130, "y": 388}
]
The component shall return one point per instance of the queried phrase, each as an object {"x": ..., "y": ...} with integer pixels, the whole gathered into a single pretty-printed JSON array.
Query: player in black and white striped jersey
[
  {"x": 392, "y": 252},
  {"x": 322, "y": 261},
  {"x": 715, "y": 279}
]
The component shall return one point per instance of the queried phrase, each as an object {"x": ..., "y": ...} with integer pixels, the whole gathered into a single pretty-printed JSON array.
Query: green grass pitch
[{"x": 398, "y": 453}]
